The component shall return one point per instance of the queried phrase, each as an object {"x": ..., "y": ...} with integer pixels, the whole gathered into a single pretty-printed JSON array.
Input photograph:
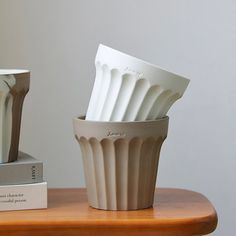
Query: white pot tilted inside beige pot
[
  {"x": 120, "y": 161},
  {"x": 129, "y": 89}
]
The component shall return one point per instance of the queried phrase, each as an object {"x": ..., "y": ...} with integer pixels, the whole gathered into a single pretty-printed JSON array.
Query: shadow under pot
[{"x": 120, "y": 161}]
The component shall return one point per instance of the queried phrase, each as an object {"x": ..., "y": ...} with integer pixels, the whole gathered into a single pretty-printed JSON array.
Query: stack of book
[{"x": 22, "y": 185}]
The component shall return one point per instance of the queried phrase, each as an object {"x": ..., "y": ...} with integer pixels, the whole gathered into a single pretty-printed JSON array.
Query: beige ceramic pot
[{"x": 120, "y": 161}]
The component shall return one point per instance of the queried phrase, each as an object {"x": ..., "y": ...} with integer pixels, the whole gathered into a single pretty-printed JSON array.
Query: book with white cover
[
  {"x": 24, "y": 170},
  {"x": 23, "y": 197}
]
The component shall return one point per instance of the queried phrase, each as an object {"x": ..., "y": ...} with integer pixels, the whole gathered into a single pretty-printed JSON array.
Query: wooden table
[{"x": 175, "y": 212}]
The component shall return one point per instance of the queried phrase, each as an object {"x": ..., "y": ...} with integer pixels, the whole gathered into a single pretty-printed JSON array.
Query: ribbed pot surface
[{"x": 120, "y": 161}]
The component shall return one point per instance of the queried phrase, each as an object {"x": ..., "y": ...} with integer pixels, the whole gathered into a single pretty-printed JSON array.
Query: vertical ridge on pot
[
  {"x": 155, "y": 163},
  {"x": 139, "y": 92},
  {"x": 158, "y": 105},
  {"x": 110, "y": 172},
  {"x": 112, "y": 95},
  {"x": 169, "y": 103},
  {"x": 144, "y": 170},
  {"x": 98, "y": 160},
  {"x": 133, "y": 171},
  {"x": 96, "y": 91},
  {"x": 89, "y": 170},
  {"x": 147, "y": 103},
  {"x": 123, "y": 98},
  {"x": 122, "y": 157},
  {"x": 104, "y": 86}
]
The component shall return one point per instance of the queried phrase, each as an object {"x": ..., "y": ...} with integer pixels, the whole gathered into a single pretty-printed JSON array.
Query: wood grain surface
[{"x": 175, "y": 212}]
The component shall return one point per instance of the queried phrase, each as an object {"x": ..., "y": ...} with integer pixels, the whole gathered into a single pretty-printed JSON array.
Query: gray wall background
[{"x": 57, "y": 40}]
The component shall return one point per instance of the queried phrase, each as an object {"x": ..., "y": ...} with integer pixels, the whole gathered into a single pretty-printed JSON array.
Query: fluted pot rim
[
  {"x": 13, "y": 71},
  {"x": 81, "y": 118},
  {"x": 123, "y": 60},
  {"x": 129, "y": 65},
  {"x": 123, "y": 129}
]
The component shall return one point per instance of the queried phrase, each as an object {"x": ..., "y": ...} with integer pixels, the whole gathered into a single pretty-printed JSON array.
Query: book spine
[
  {"x": 23, "y": 197},
  {"x": 21, "y": 174}
]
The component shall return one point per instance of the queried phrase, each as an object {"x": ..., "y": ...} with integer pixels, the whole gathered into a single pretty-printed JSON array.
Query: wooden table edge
[{"x": 209, "y": 222}]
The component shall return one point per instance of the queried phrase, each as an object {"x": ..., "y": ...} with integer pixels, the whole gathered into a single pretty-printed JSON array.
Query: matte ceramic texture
[
  {"x": 129, "y": 89},
  {"x": 14, "y": 85},
  {"x": 120, "y": 161}
]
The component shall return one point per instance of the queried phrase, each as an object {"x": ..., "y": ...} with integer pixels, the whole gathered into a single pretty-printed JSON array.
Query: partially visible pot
[{"x": 14, "y": 85}]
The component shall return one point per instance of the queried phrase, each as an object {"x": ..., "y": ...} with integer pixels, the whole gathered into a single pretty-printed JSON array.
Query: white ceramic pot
[
  {"x": 120, "y": 161},
  {"x": 129, "y": 89},
  {"x": 14, "y": 85}
]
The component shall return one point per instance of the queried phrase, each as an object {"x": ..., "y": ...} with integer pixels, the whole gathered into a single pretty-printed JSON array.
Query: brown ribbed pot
[
  {"x": 14, "y": 85},
  {"x": 120, "y": 161}
]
